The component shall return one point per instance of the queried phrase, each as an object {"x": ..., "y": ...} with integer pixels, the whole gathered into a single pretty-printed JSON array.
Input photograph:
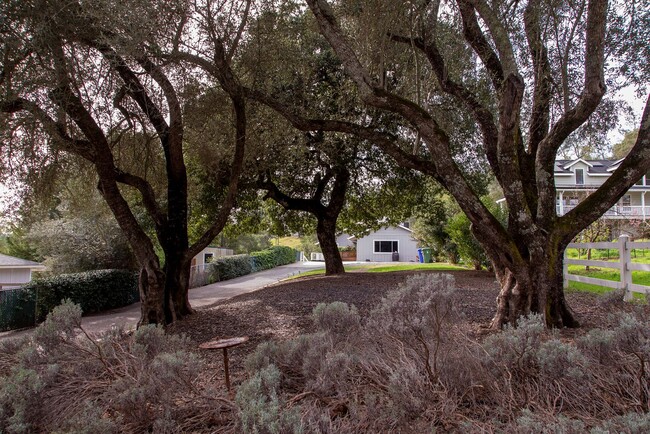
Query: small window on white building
[
  {"x": 580, "y": 176},
  {"x": 647, "y": 178},
  {"x": 207, "y": 257},
  {"x": 386, "y": 246},
  {"x": 626, "y": 201}
]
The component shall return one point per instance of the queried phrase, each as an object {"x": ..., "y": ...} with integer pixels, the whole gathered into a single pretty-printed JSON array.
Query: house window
[
  {"x": 647, "y": 178},
  {"x": 386, "y": 246},
  {"x": 580, "y": 176},
  {"x": 627, "y": 200},
  {"x": 207, "y": 257}
]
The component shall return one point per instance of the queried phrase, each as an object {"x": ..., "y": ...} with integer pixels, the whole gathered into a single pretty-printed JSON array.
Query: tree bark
[
  {"x": 326, "y": 233},
  {"x": 535, "y": 286}
]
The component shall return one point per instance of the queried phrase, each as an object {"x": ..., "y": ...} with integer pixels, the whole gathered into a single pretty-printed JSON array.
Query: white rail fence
[{"x": 624, "y": 265}]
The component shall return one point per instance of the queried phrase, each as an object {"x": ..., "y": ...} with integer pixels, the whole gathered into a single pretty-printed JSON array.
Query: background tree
[
  {"x": 622, "y": 148},
  {"x": 77, "y": 78},
  {"x": 599, "y": 230},
  {"x": 528, "y": 75}
]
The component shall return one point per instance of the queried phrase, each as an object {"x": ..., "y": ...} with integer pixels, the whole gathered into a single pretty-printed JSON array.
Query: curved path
[{"x": 128, "y": 316}]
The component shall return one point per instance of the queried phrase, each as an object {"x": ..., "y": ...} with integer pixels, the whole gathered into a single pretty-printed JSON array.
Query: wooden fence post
[
  {"x": 565, "y": 272},
  {"x": 625, "y": 259}
]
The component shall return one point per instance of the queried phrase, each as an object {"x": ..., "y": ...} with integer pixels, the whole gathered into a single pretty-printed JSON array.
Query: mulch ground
[{"x": 282, "y": 311}]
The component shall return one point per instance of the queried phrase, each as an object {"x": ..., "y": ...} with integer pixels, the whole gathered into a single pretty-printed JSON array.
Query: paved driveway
[{"x": 128, "y": 316}]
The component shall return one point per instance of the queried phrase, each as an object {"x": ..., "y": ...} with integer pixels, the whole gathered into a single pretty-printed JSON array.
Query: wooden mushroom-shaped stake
[{"x": 224, "y": 344}]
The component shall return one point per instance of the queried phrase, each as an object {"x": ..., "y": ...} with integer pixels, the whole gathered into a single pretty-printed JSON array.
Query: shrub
[
  {"x": 273, "y": 257},
  {"x": 229, "y": 267},
  {"x": 261, "y": 410},
  {"x": 263, "y": 260},
  {"x": 399, "y": 355},
  {"x": 285, "y": 255},
  {"x": 62, "y": 380},
  {"x": 94, "y": 291}
]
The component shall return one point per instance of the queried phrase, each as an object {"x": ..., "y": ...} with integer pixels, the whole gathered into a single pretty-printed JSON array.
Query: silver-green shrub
[
  {"x": 64, "y": 380},
  {"x": 261, "y": 410}
]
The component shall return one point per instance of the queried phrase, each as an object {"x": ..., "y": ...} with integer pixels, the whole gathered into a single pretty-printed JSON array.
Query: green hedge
[
  {"x": 17, "y": 309},
  {"x": 230, "y": 267},
  {"x": 94, "y": 291}
]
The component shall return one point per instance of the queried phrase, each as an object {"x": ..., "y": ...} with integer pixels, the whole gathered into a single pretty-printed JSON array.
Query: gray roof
[
  {"x": 11, "y": 262},
  {"x": 597, "y": 166}
]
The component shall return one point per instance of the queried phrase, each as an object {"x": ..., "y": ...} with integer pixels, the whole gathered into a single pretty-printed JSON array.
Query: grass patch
[
  {"x": 380, "y": 268},
  {"x": 293, "y": 242},
  {"x": 638, "y": 277},
  {"x": 638, "y": 255}
]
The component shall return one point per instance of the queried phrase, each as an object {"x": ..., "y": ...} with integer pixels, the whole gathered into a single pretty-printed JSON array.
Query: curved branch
[
  {"x": 593, "y": 91},
  {"x": 476, "y": 39},
  {"x": 594, "y": 87},
  {"x": 386, "y": 141},
  {"x": 147, "y": 193},
  {"x": 56, "y": 130},
  {"x": 448, "y": 85},
  {"x": 499, "y": 36}
]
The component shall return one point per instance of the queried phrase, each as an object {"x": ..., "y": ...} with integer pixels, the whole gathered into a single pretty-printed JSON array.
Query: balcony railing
[{"x": 617, "y": 211}]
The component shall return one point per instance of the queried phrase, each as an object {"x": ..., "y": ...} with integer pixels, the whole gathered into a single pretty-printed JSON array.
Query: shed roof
[{"x": 11, "y": 262}]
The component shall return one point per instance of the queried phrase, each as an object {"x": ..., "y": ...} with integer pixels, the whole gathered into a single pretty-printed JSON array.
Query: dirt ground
[{"x": 282, "y": 311}]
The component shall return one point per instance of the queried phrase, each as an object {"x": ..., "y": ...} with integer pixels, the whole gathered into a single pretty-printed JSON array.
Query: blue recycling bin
[{"x": 420, "y": 256}]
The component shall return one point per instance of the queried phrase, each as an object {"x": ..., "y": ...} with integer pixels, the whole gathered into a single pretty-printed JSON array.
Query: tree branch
[
  {"x": 476, "y": 39},
  {"x": 593, "y": 91}
]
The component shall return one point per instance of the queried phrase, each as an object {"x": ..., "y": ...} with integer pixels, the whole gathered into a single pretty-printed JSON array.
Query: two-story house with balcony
[{"x": 575, "y": 179}]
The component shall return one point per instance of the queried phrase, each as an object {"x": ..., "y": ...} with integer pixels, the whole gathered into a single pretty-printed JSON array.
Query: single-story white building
[
  {"x": 379, "y": 246},
  {"x": 209, "y": 254},
  {"x": 15, "y": 272}
]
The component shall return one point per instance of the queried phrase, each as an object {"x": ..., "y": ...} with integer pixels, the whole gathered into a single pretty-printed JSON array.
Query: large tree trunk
[
  {"x": 152, "y": 294},
  {"x": 177, "y": 283},
  {"x": 535, "y": 286},
  {"x": 164, "y": 294},
  {"x": 326, "y": 233}
]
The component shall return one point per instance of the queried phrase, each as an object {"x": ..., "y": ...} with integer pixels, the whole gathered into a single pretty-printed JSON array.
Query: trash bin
[
  {"x": 420, "y": 257},
  {"x": 426, "y": 255},
  {"x": 395, "y": 256}
]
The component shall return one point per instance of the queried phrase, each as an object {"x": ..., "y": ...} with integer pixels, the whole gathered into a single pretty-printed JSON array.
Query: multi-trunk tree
[
  {"x": 83, "y": 78},
  {"x": 529, "y": 75}
]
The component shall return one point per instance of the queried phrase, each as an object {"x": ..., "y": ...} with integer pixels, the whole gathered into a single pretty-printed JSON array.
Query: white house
[
  {"x": 207, "y": 255},
  {"x": 576, "y": 179},
  {"x": 379, "y": 246},
  {"x": 15, "y": 272}
]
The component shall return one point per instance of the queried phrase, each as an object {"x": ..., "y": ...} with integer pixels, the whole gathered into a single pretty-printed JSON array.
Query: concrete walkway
[{"x": 128, "y": 316}]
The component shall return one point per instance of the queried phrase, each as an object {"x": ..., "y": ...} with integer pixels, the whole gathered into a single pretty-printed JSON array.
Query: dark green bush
[
  {"x": 263, "y": 260},
  {"x": 285, "y": 255},
  {"x": 94, "y": 291},
  {"x": 229, "y": 267},
  {"x": 273, "y": 257}
]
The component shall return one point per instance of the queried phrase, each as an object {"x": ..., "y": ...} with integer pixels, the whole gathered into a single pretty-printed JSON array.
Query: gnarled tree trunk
[
  {"x": 326, "y": 233},
  {"x": 534, "y": 285}
]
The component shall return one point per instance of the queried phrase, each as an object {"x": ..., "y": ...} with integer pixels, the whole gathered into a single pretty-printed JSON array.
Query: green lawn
[
  {"x": 638, "y": 277},
  {"x": 380, "y": 268}
]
